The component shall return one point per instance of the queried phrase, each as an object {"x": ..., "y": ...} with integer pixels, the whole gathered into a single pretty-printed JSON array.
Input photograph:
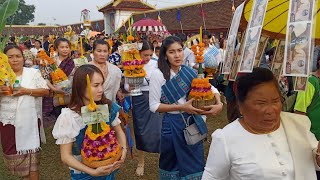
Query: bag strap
[{"x": 186, "y": 122}]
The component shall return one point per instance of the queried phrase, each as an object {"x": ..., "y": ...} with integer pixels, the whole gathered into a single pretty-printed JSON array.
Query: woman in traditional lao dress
[
  {"x": 169, "y": 87},
  {"x": 20, "y": 118}
]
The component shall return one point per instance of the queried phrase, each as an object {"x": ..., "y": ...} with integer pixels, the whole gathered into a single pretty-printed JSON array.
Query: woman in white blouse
[
  {"x": 169, "y": 86},
  {"x": 146, "y": 124},
  {"x": 111, "y": 73},
  {"x": 69, "y": 130},
  {"x": 265, "y": 143},
  {"x": 21, "y": 118}
]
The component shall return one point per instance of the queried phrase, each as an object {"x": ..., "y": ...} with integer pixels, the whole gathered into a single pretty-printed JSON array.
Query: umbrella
[
  {"x": 149, "y": 25},
  {"x": 94, "y": 33},
  {"x": 275, "y": 22}
]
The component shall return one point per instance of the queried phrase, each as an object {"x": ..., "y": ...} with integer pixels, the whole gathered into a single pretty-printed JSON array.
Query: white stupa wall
[{"x": 113, "y": 20}]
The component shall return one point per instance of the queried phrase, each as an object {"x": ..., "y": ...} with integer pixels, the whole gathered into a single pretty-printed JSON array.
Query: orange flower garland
[
  {"x": 198, "y": 52},
  {"x": 133, "y": 64},
  {"x": 201, "y": 89},
  {"x": 57, "y": 74}
]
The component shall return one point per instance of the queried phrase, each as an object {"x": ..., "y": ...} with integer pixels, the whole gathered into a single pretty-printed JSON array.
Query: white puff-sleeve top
[{"x": 69, "y": 124}]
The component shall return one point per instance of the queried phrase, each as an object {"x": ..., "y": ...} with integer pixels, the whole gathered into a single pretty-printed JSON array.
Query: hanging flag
[
  {"x": 178, "y": 16},
  {"x": 203, "y": 17},
  {"x": 159, "y": 18},
  {"x": 202, "y": 12}
]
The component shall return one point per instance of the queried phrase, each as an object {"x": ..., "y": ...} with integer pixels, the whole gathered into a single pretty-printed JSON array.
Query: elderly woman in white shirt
[
  {"x": 111, "y": 73},
  {"x": 20, "y": 118},
  {"x": 264, "y": 143},
  {"x": 169, "y": 86}
]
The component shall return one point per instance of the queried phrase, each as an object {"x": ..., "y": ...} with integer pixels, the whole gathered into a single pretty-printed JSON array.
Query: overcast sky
[{"x": 68, "y": 11}]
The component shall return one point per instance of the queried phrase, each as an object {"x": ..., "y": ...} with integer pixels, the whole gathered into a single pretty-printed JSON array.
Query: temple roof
[
  {"x": 217, "y": 16},
  {"x": 133, "y": 5}
]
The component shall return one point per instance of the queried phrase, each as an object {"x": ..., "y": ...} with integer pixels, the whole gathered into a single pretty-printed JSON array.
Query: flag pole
[{"x": 181, "y": 26}]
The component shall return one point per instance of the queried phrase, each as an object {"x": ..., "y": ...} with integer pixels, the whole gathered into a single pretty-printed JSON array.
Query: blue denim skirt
[{"x": 177, "y": 159}]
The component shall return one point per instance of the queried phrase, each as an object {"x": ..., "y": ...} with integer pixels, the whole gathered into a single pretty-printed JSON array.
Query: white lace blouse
[
  {"x": 69, "y": 124},
  {"x": 9, "y": 104}
]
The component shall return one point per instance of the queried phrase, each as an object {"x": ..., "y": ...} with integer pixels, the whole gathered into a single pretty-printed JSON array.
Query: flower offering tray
[
  {"x": 96, "y": 164},
  {"x": 200, "y": 104}
]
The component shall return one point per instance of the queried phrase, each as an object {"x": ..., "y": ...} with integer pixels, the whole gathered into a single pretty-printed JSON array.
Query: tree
[
  {"x": 42, "y": 24},
  {"x": 24, "y": 14}
]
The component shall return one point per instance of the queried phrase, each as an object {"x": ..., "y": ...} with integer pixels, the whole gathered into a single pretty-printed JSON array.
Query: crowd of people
[{"x": 261, "y": 141}]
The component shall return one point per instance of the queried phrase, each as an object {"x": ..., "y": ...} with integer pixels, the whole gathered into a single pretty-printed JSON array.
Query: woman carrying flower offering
[
  {"x": 83, "y": 146},
  {"x": 146, "y": 124},
  {"x": 211, "y": 54},
  {"x": 21, "y": 118},
  {"x": 65, "y": 63},
  {"x": 169, "y": 89},
  {"x": 111, "y": 73}
]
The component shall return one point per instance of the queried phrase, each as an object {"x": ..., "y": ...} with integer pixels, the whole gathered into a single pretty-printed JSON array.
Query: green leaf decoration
[{"x": 8, "y": 8}]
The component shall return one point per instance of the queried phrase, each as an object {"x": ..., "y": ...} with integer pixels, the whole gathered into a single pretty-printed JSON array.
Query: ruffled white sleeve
[
  {"x": 116, "y": 121},
  {"x": 218, "y": 162},
  {"x": 67, "y": 127}
]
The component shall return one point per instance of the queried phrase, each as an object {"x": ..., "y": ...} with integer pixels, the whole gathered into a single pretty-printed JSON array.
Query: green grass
[{"x": 51, "y": 167}]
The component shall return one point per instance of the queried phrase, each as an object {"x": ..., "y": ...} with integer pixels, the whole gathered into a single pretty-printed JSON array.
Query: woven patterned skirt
[{"x": 17, "y": 164}]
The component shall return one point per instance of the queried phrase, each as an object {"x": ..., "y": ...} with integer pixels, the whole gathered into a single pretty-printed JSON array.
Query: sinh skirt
[
  {"x": 18, "y": 164},
  {"x": 146, "y": 124}
]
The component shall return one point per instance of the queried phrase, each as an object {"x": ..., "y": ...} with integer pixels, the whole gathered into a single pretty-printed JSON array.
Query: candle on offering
[
  {"x": 92, "y": 105},
  {"x": 81, "y": 48},
  {"x": 200, "y": 34}
]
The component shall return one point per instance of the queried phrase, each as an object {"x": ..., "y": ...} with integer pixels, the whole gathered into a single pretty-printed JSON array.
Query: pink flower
[
  {"x": 88, "y": 153},
  {"x": 100, "y": 155}
]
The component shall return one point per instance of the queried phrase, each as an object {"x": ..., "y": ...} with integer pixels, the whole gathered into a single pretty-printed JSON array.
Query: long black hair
[
  {"x": 146, "y": 45},
  {"x": 163, "y": 63},
  {"x": 116, "y": 46}
]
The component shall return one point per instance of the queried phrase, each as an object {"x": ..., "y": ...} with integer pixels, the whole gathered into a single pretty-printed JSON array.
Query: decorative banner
[
  {"x": 301, "y": 84},
  {"x": 231, "y": 42},
  {"x": 252, "y": 38},
  {"x": 298, "y": 39},
  {"x": 236, "y": 63},
  {"x": 250, "y": 50},
  {"x": 277, "y": 61},
  {"x": 261, "y": 47}
]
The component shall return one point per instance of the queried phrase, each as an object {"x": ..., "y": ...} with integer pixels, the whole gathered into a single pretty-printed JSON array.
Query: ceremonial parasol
[
  {"x": 149, "y": 25},
  {"x": 275, "y": 22},
  {"x": 94, "y": 33}
]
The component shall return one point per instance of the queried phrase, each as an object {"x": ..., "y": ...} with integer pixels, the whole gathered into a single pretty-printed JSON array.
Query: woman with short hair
[{"x": 264, "y": 143}]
